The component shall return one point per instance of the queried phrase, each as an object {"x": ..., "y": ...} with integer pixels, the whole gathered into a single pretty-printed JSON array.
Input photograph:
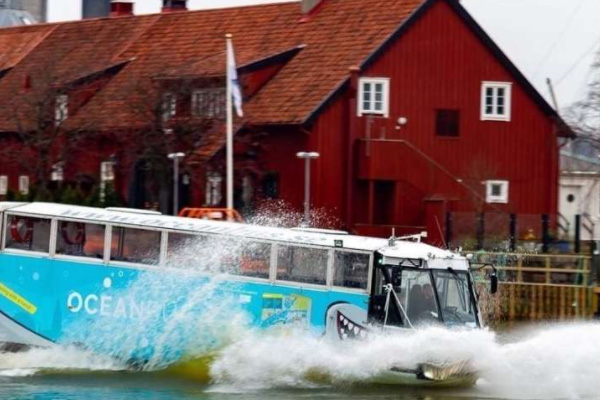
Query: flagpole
[{"x": 229, "y": 108}]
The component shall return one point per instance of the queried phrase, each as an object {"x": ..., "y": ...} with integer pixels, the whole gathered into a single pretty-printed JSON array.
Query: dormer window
[
  {"x": 208, "y": 103},
  {"x": 373, "y": 96},
  {"x": 61, "y": 109},
  {"x": 496, "y": 101},
  {"x": 169, "y": 106}
]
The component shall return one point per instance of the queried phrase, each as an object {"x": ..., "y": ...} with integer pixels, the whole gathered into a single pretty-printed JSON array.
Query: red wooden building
[{"x": 413, "y": 108}]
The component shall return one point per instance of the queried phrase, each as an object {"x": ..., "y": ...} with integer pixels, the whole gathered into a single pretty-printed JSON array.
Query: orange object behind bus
[{"x": 215, "y": 214}]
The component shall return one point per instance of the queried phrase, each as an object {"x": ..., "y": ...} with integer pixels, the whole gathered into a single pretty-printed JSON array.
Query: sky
[{"x": 554, "y": 39}]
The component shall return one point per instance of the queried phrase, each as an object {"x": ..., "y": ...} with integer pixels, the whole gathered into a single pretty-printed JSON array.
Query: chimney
[
  {"x": 174, "y": 5},
  {"x": 121, "y": 8}
]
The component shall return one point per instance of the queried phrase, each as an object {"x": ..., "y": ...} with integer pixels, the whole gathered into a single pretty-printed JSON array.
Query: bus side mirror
[{"x": 494, "y": 284}]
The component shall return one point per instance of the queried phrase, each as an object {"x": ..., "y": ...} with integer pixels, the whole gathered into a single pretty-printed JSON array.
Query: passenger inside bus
[
  {"x": 422, "y": 306},
  {"x": 428, "y": 299}
]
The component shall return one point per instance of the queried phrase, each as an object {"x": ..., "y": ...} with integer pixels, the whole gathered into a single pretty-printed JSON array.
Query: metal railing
[{"x": 542, "y": 286}]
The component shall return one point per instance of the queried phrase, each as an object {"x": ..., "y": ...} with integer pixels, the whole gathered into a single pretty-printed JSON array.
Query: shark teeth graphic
[{"x": 348, "y": 329}]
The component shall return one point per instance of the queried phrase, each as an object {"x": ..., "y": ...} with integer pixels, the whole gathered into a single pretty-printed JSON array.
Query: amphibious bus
[{"x": 64, "y": 267}]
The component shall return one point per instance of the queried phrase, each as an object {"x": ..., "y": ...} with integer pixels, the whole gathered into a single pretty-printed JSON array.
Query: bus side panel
[{"x": 90, "y": 303}]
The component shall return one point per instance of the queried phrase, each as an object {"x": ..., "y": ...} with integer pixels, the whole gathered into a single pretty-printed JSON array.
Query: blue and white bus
[{"x": 65, "y": 266}]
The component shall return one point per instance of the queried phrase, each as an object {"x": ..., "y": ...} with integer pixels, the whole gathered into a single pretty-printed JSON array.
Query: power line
[
  {"x": 558, "y": 38},
  {"x": 579, "y": 60}
]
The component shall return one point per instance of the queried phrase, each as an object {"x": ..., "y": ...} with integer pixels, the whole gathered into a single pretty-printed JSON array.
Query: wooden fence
[{"x": 541, "y": 286}]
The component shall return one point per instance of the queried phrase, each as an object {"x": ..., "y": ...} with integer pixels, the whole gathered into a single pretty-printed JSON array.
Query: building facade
[
  {"x": 413, "y": 109},
  {"x": 580, "y": 195}
]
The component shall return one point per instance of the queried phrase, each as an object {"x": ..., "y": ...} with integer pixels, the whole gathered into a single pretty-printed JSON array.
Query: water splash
[
  {"x": 280, "y": 214},
  {"x": 266, "y": 360},
  {"x": 553, "y": 362},
  {"x": 54, "y": 359}
]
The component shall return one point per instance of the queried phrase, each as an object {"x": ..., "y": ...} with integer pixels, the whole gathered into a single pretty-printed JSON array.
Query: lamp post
[
  {"x": 176, "y": 157},
  {"x": 307, "y": 157}
]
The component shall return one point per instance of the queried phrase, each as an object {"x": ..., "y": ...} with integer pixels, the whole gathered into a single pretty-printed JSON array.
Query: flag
[{"x": 236, "y": 91}]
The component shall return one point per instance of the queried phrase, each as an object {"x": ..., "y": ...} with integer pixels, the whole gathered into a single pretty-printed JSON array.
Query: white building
[
  {"x": 21, "y": 12},
  {"x": 580, "y": 194}
]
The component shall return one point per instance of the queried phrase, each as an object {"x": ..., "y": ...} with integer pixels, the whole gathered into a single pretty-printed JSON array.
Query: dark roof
[{"x": 575, "y": 163}]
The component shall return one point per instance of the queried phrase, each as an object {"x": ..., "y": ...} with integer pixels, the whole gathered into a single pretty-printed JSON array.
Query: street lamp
[
  {"x": 307, "y": 157},
  {"x": 176, "y": 157}
]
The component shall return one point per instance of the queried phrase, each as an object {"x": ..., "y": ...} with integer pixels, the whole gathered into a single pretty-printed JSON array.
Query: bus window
[
  {"x": 255, "y": 259},
  {"x": 185, "y": 250},
  {"x": 24, "y": 233},
  {"x": 135, "y": 245},
  {"x": 79, "y": 239},
  {"x": 351, "y": 269},
  {"x": 301, "y": 264}
]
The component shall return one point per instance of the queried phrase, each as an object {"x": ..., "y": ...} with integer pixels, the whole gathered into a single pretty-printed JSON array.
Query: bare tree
[
  {"x": 39, "y": 136},
  {"x": 584, "y": 116},
  {"x": 165, "y": 122}
]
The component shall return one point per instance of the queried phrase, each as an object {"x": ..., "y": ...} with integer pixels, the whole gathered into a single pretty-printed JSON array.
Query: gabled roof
[
  {"x": 16, "y": 43},
  {"x": 340, "y": 35},
  {"x": 318, "y": 53},
  {"x": 571, "y": 163},
  {"x": 562, "y": 127}
]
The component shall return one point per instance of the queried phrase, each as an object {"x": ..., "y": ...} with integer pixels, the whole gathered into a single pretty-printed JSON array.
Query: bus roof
[{"x": 191, "y": 225}]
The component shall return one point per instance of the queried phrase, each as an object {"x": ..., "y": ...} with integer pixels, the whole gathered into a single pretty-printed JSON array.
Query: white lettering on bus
[
  {"x": 117, "y": 307},
  {"x": 105, "y": 305},
  {"x": 120, "y": 310},
  {"x": 87, "y": 306},
  {"x": 74, "y": 296}
]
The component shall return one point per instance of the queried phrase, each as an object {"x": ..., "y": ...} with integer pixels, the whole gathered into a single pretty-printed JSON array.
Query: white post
[
  {"x": 307, "y": 157},
  {"x": 176, "y": 157},
  {"x": 307, "y": 191},
  {"x": 229, "y": 147},
  {"x": 176, "y": 186}
]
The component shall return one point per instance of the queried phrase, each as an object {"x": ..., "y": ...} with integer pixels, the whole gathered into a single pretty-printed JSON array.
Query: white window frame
[
  {"x": 61, "y": 109},
  {"x": 496, "y": 199},
  {"x": 385, "y": 111},
  {"x": 494, "y": 116},
  {"x": 213, "y": 97},
  {"x": 24, "y": 185},
  {"x": 3, "y": 185},
  {"x": 214, "y": 189},
  {"x": 169, "y": 106},
  {"x": 58, "y": 172},
  {"x": 107, "y": 171}
]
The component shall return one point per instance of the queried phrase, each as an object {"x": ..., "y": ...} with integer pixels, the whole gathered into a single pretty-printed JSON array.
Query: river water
[{"x": 560, "y": 361}]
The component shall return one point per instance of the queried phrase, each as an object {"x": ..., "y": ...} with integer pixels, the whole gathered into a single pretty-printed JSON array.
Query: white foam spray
[
  {"x": 554, "y": 362},
  {"x": 54, "y": 359}
]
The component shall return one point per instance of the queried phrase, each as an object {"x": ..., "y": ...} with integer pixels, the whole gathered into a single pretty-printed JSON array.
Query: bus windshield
[
  {"x": 417, "y": 296},
  {"x": 412, "y": 297},
  {"x": 455, "y": 298}
]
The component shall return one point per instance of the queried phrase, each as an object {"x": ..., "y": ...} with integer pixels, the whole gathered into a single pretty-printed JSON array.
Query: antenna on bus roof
[{"x": 392, "y": 240}]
